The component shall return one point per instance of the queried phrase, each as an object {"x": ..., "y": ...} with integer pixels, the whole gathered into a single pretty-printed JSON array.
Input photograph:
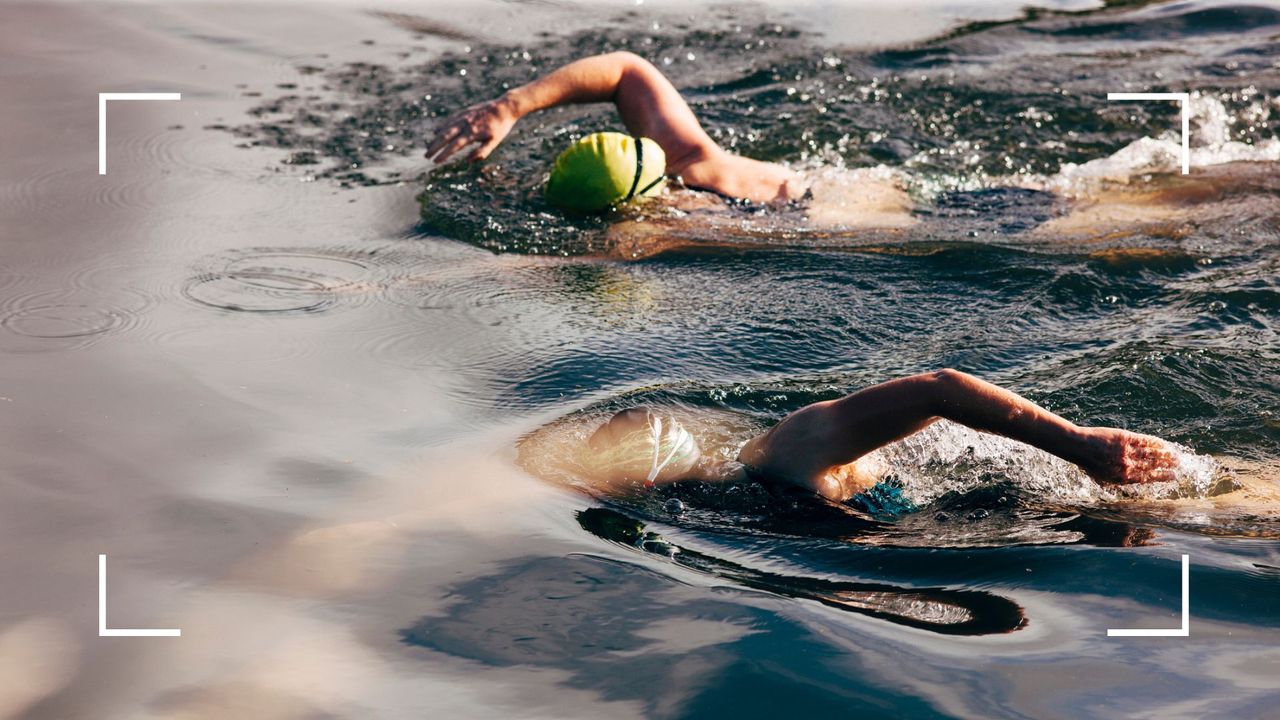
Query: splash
[
  {"x": 1211, "y": 143},
  {"x": 946, "y": 458}
]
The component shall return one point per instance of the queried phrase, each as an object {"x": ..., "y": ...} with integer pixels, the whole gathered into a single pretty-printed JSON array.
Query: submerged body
[{"x": 837, "y": 206}]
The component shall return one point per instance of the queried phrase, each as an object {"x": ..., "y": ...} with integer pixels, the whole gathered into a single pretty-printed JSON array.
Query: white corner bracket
[
  {"x": 103, "y": 630},
  {"x": 1183, "y": 631},
  {"x": 1184, "y": 99},
  {"x": 102, "y": 118}
]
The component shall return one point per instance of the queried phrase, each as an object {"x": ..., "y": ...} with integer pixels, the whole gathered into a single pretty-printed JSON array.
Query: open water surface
[{"x": 312, "y": 396}]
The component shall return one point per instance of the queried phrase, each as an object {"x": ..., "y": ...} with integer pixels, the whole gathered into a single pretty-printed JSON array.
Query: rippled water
[{"x": 320, "y": 403}]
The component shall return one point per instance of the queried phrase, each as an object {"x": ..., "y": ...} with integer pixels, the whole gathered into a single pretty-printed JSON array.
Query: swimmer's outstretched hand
[
  {"x": 486, "y": 123},
  {"x": 1121, "y": 457}
]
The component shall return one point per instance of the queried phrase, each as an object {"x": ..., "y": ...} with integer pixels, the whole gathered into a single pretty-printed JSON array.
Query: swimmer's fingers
[
  {"x": 487, "y": 124},
  {"x": 458, "y": 135},
  {"x": 458, "y": 142},
  {"x": 1162, "y": 464},
  {"x": 489, "y": 128},
  {"x": 1127, "y": 458},
  {"x": 443, "y": 136},
  {"x": 1150, "y": 460},
  {"x": 486, "y": 146},
  {"x": 463, "y": 124}
]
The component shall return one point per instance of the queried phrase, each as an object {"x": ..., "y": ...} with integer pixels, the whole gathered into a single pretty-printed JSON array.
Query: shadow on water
[{"x": 949, "y": 612}]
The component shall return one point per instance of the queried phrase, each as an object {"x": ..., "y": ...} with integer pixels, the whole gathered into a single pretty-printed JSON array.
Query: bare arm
[
  {"x": 810, "y": 442},
  {"x": 647, "y": 102}
]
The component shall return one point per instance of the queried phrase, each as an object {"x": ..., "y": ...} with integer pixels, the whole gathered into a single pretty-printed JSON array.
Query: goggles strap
[{"x": 635, "y": 182}]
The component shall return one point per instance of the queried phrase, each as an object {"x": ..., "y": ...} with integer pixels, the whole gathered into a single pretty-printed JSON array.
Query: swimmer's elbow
[
  {"x": 635, "y": 68},
  {"x": 625, "y": 60},
  {"x": 623, "y": 67},
  {"x": 944, "y": 387},
  {"x": 948, "y": 377}
]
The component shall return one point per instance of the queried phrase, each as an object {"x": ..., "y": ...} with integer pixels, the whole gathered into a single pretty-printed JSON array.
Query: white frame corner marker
[
  {"x": 1184, "y": 99},
  {"x": 102, "y": 118},
  {"x": 104, "y": 631},
  {"x": 1183, "y": 631}
]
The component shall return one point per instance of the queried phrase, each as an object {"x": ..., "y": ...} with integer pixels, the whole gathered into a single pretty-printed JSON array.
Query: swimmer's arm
[
  {"x": 834, "y": 433},
  {"x": 648, "y": 103}
]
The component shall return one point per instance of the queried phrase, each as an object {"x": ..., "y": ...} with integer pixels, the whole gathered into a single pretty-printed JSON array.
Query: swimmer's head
[
  {"x": 641, "y": 446},
  {"x": 605, "y": 169}
]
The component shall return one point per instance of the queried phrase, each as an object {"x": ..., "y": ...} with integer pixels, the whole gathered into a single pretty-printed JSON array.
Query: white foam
[{"x": 946, "y": 457}]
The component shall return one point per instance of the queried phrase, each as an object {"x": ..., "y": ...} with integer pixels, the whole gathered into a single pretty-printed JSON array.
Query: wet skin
[
  {"x": 824, "y": 447},
  {"x": 649, "y": 105}
]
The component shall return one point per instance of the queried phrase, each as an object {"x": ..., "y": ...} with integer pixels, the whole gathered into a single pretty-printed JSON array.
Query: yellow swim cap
[{"x": 606, "y": 168}]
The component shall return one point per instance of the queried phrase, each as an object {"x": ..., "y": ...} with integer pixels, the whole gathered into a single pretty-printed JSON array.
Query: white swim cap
[{"x": 662, "y": 450}]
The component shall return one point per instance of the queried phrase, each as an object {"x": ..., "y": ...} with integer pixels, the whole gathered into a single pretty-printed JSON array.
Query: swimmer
[
  {"x": 666, "y": 140},
  {"x": 826, "y": 447},
  {"x": 650, "y": 108}
]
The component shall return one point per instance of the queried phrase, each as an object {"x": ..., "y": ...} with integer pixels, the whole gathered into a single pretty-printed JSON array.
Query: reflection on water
[
  {"x": 631, "y": 634},
  {"x": 949, "y": 612}
]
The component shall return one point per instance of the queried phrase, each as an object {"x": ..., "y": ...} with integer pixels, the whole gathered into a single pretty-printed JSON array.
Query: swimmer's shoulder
[{"x": 742, "y": 179}]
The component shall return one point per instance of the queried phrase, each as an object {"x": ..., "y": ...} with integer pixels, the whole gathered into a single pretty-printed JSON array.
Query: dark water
[
  {"x": 329, "y": 370},
  {"x": 984, "y": 106},
  {"x": 1179, "y": 341}
]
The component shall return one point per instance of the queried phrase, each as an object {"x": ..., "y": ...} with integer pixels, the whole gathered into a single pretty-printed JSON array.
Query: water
[{"x": 320, "y": 409}]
